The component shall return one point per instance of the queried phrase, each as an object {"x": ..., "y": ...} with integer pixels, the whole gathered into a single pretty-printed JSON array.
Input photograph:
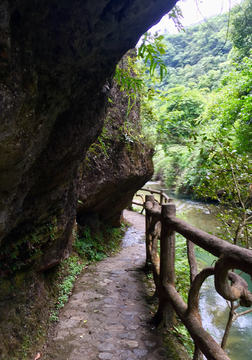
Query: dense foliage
[
  {"x": 202, "y": 121},
  {"x": 201, "y": 116},
  {"x": 197, "y": 55},
  {"x": 205, "y": 98},
  {"x": 241, "y": 31}
]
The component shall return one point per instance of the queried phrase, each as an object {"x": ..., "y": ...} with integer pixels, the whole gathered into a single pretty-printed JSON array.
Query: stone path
[{"x": 107, "y": 316}]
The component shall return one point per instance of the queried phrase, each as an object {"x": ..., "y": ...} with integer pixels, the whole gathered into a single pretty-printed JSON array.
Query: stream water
[{"x": 213, "y": 308}]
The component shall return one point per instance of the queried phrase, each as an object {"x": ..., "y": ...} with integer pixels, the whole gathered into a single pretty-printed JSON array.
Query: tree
[
  {"x": 179, "y": 109},
  {"x": 241, "y": 29},
  {"x": 230, "y": 106},
  {"x": 201, "y": 48}
]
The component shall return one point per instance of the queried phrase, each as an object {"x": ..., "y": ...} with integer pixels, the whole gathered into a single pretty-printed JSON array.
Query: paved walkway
[{"x": 107, "y": 316}]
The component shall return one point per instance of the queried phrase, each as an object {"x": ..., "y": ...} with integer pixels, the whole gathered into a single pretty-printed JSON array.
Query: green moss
[
  {"x": 19, "y": 279},
  {"x": 67, "y": 274},
  {"x": 24, "y": 306},
  {"x": 21, "y": 251},
  {"x": 5, "y": 286}
]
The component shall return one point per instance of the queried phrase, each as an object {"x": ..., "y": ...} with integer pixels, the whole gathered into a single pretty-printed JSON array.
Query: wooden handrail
[
  {"x": 160, "y": 192},
  {"x": 163, "y": 197},
  {"x": 227, "y": 283}
]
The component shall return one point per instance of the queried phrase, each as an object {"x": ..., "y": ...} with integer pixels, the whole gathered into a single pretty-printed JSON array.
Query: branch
[
  {"x": 241, "y": 313},
  {"x": 236, "y": 306},
  {"x": 228, "y": 304},
  {"x": 248, "y": 218},
  {"x": 235, "y": 182}
]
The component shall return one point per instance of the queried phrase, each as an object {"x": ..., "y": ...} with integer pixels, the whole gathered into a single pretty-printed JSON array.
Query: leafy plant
[
  {"x": 179, "y": 109},
  {"x": 90, "y": 249},
  {"x": 228, "y": 179},
  {"x": 150, "y": 51},
  {"x": 68, "y": 271},
  {"x": 98, "y": 245},
  {"x": 183, "y": 335}
]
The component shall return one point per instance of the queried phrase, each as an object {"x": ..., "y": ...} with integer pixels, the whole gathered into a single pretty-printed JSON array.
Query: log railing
[
  {"x": 163, "y": 198},
  {"x": 161, "y": 221}
]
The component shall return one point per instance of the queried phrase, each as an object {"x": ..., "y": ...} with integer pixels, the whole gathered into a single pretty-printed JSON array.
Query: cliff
[
  {"x": 57, "y": 60},
  {"x": 117, "y": 164}
]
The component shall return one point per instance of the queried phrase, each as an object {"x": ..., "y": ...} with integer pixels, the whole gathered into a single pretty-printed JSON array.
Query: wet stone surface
[{"x": 107, "y": 316}]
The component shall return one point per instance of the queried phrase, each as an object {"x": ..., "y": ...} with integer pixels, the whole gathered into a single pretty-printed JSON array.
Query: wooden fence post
[
  {"x": 165, "y": 313},
  {"x": 162, "y": 191},
  {"x": 161, "y": 196},
  {"x": 148, "y": 198}
]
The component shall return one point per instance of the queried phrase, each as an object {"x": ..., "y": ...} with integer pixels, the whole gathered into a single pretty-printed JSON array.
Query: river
[{"x": 213, "y": 308}]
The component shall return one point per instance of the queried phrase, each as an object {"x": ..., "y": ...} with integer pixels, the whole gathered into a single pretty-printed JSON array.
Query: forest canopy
[{"x": 203, "y": 106}]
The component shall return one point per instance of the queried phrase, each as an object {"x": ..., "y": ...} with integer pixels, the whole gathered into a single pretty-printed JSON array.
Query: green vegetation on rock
[{"x": 96, "y": 245}]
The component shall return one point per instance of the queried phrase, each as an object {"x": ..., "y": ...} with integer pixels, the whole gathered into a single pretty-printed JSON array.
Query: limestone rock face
[
  {"x": 117, "y": 165},
  {"x": 55, "y": 58}
]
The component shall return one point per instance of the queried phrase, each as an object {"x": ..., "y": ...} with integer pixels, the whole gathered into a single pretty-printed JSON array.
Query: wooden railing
[
  {"x": 163, "y": 198},
  {"x": 161, "y": 221}
]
